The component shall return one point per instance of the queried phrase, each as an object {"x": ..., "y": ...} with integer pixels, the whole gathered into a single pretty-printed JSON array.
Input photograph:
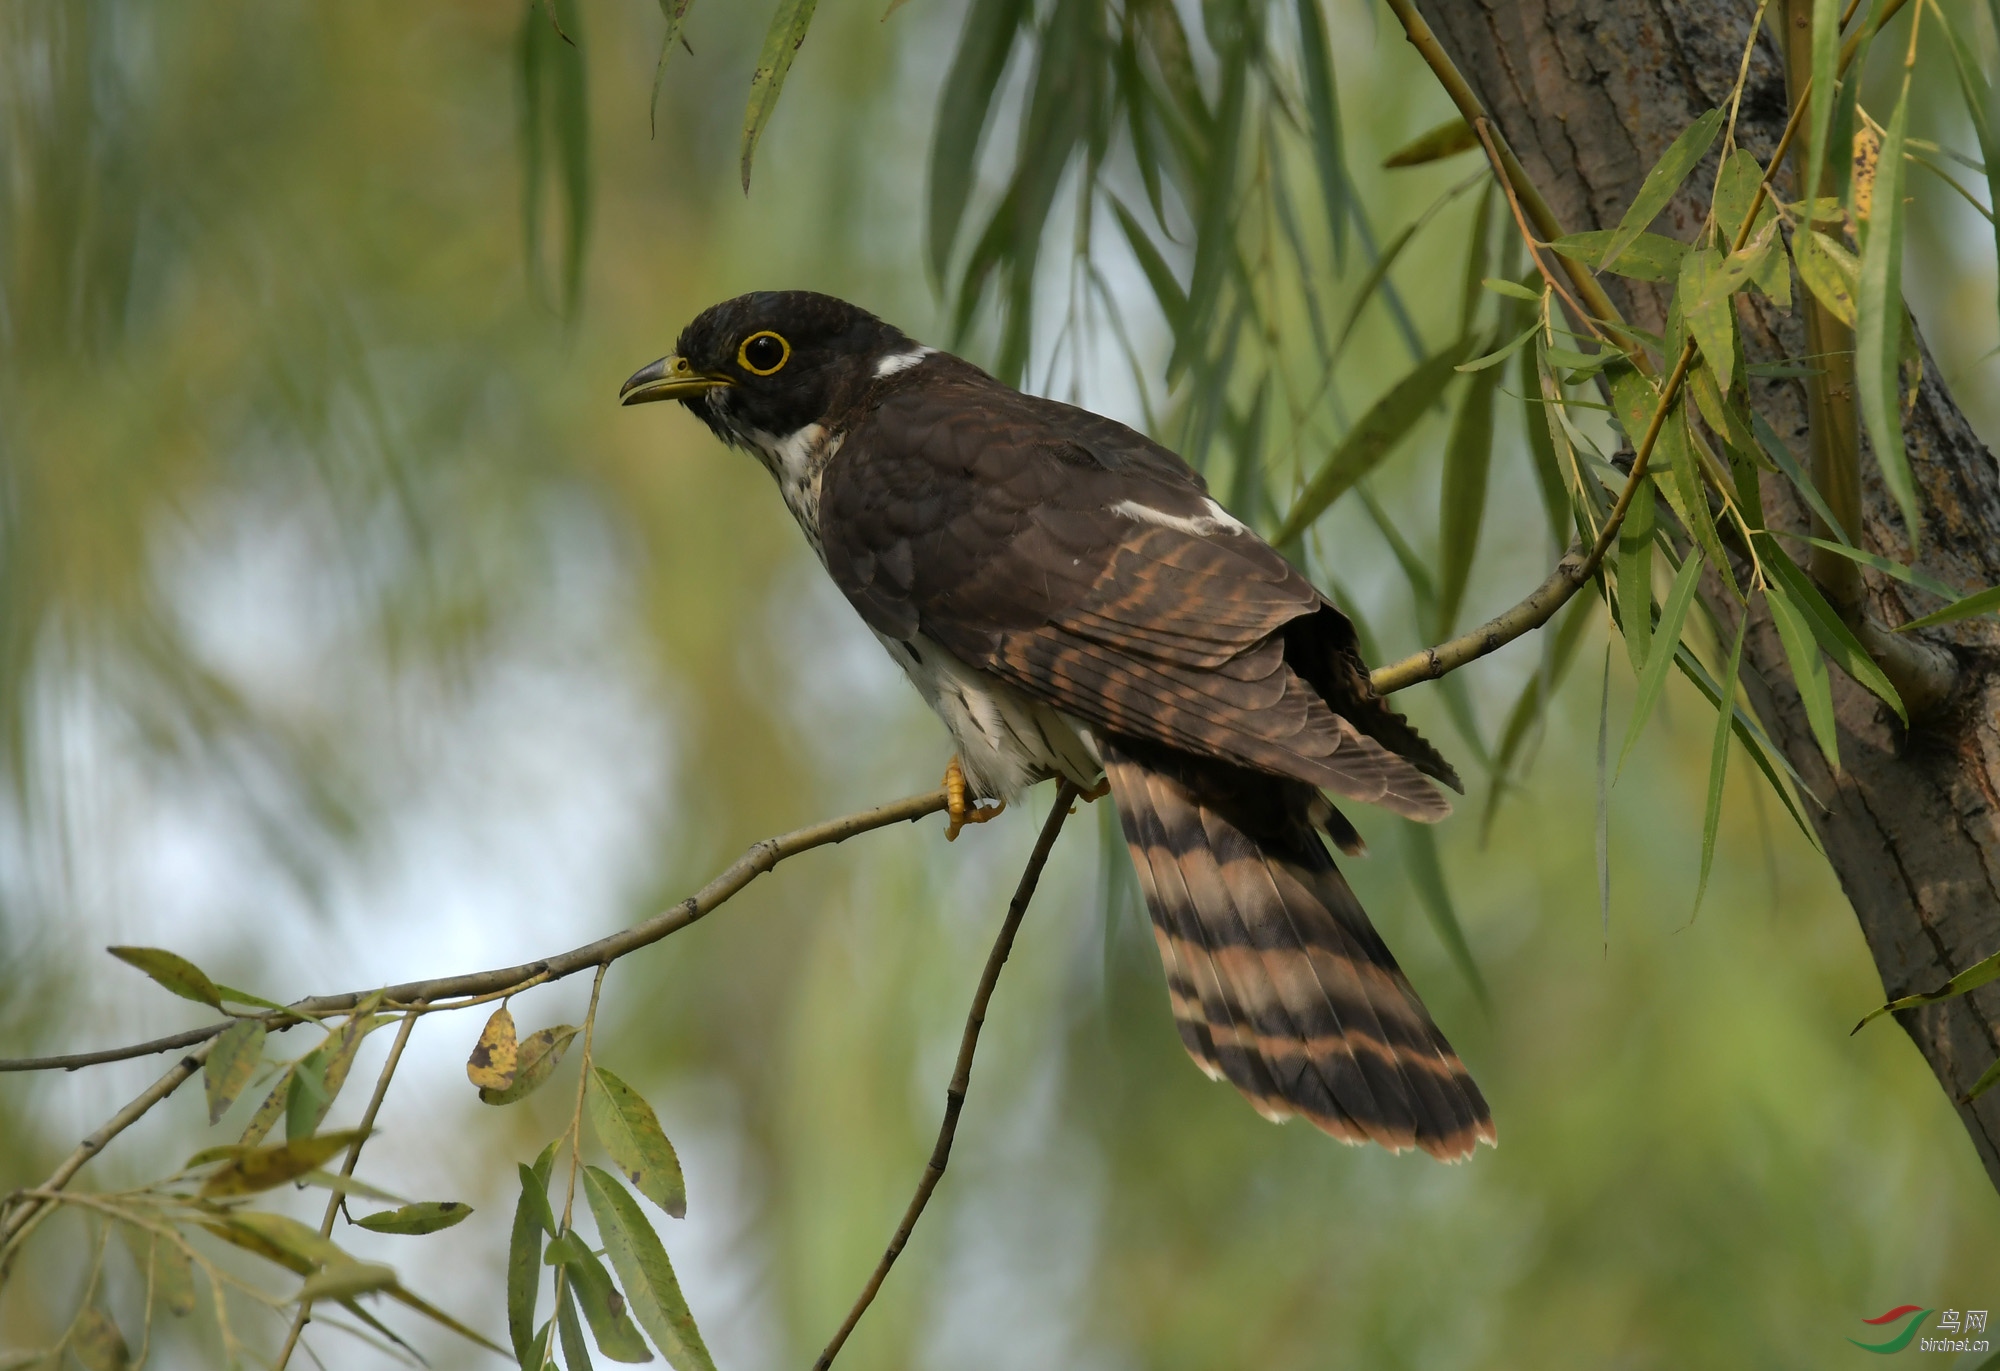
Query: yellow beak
[{"x": 670, "y": 378}]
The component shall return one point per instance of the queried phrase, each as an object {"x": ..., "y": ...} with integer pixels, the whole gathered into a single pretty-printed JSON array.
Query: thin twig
[
  {"x": 1484, "y": 128},
  {"x": 18, "y": 1227},
  {"x": 333, "y": 1201},
  {"x": 961, "y": 1076},
  {"x": 760, "y": 858}
]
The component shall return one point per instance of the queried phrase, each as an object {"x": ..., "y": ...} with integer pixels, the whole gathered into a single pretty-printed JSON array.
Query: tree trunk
[{"x": 1590, "y": 93}]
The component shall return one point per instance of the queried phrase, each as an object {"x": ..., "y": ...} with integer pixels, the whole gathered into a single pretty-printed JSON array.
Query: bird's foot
[
  {"x": 961, "y": 807},
  {"x": 1096, "y": 792}
]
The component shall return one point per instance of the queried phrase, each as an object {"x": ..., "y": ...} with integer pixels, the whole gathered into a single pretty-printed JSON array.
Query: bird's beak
[{"x": 670, "y": 378}]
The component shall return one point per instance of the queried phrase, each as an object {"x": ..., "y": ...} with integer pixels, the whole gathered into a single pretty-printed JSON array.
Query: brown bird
[{"x": 1069, "y": 599}]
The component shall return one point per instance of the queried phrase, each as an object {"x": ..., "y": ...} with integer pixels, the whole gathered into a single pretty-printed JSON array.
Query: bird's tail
[{"x": 1278, "y": 982}]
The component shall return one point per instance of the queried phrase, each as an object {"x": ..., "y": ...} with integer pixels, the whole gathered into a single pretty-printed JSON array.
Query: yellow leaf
[{"x": 496, "y": 1055}]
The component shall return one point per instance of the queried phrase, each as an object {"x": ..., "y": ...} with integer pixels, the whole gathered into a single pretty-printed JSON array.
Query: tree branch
[
  {"x": 760, "y": 858},
  {"x": 961, "y": 1076}
]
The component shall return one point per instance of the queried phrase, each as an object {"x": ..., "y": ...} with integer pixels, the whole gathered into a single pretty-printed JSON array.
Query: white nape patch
[
  {"x": 1217, "y": 520},
  {"x": 901, "y": 361}
]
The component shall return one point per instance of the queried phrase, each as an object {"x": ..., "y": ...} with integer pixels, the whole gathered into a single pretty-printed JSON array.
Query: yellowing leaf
[
  {"x": 230, "y": 1065},
  {"x": 98, "y": 1344},
  {"x": 1451, "y": 137},
  {"x": 631, "y": 1133},
  {"x": 492, "y": 1063},
  {"x": 264, "y": 1167},
  {"x": 1830, "y": 272},
  {"x": 173, "y": 972},
  {"x": 537, "y": 1058},
  {"x": 344, "y": 1280}
]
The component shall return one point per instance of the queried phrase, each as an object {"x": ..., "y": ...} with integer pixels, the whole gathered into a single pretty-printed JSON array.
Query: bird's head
[{"x": 763, "y": 366}]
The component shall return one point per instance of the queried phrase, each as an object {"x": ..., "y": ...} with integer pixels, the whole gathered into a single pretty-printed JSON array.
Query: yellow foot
[
  {"x": 963, "y": 811},
  {"x": 1096, "y": 792}
]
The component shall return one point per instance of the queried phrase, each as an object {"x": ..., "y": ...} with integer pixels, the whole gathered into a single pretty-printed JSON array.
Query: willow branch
[
  {"x": 760, "y": 858},
  {"x": 961, "y": 1076},
  {"x": 1576, "y": 566}
]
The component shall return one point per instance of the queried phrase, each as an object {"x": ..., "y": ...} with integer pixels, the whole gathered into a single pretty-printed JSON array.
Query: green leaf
[
  {"x": 539, "y": 1053},
  {"x": 675, "y": 13},
  {"x": 1978, "y": 974},
  {"x": 1830, "y": 272},
  {"x": 524, "y": 1257},
  {"x": 1833, "y": 635},
  {"x": 1808, "y": 671},
  {"x": 781, "y": 44},
  {"x": 1322, "y": 99},
  {"x": 616, "y": 1335},
  {"x": 1666, "y": 636},
  {"x": 1166, "y": 290},
  {"x": 1662, "y": 181},
  {"x": 1512, "y": 289},
  {"x": 1468, "y": 461},
  {"x": 1981, "y": 602},
  {"x": 1635, "y": 576},
  {"x": 427, "y": 1216},
  {"x": 642, "y": 1266},
  {"x": 1372, "y": 438},
  {"x": 344, "y": 1280},
  {"x": 576, "y": 1352},
  {"x": 1825, "y": 76},
  {"x": 1542, "y": 452},
  {"x": 1718, "y": 758},
  {"x": 1707, "y": 312},
  {"x": 1603, "y": 834},
  {"x": 1682, "y": 485},
  {"x": 269, "y": 1112},
  {"x": 319, "y": 1076},
  {"x": 1978, "y": 94},
  {"x": 261, "y": 1168},
  {"x": 1987, "y": 1080},
  {"x": 1878, "y": 327},
  {"x": 231, "y": 1063},
  {"x": 1427, "y": 878},
  {"x": 97, "y": 1344},
  {"x": 631, "y": 1133},
  {"x": 172, "y": 972},
  {"x": 231, "y": 995},
  {"x": 165, "y": 1268},
  {"x": 555, "y": 116},
  {"x": 1435, "y": 144},
  {"x": 1774, "y": 447},
  {"x": 965, "y": 107},
  {"x": 1907, "y": 575},
  {"x": 1501, "y": 353},
  {"x": 1648, "y": 257}
]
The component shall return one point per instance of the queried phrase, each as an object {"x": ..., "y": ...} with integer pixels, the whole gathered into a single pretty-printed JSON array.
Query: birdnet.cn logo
[{"x": 1955, "y": 1331}]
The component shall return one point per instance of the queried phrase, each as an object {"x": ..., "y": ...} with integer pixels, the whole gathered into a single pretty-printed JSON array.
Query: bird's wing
[{"x": 1086, "y": 565}]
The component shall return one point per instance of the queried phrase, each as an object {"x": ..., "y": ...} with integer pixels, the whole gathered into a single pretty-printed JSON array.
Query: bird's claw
[
  {"x": 1096, "y": 792},
  {"x": 962, "y": 809}
]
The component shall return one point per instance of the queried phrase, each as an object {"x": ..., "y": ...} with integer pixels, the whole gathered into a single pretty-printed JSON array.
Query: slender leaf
[
  {"x": 1718, "y": 759},
  {"x": 1833, "y": 635},
  {"x": 524, "y": 1257},
  {"x": 1825, "y": 75},
  {"x": 1808, "y": 671},
  {"x": 171, "y": 972},
  {"x": 269, "y": 1112},
  {"x": 1706, "y": 312},
  {"x": 631, "y": 1133},
  {"x": 1542, "y": 452},
  {"x": 1983, "y": 602},
  {"x": 319, "y": 1076},
  {"x": 343, "y": 1280},
  {"x": 1662, "y": 182},
  {"x": 1427, "y": 879},
  {"x": 1978, "y": 94},
  {"x": 1322, "y": 98},
  {"x": 1166, "y": 290},
  {"x": 1987, "y": 1080},
  {"x": 1649, "y": 257},
  {"x": 231, "y": 1063},
  {"x": 1774, "y": 447},
  {"x": 965, "y": 105},
  {"x": 603, "y": 1306},
  {"x": 1435, "y": 144},
  {"x": 1907, "y": 575},
  {"x": 1666, "y": 636},
  {"x": 1635, "y": 576},
  {"x": 1372, "y": 438},
  {"x": 1980, "y": 973},
  {"x": 1830, "y": 272},
  {"x": 642, "y": 1266},
  {"x": 1604, "y": 795},
  {"x": 781, "y": 44},
  {"x": 576, "y": 1352},
  {"x": 1878, "y": 327},
  {"x": 427, "y": 1216},
  {"x": 1501, "y": 353},
  {"x": 675, "y": 13},
  {"x": 1468, "y": 461}
]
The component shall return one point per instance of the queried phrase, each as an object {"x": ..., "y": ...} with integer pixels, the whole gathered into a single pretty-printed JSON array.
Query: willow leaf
[
  {"x": 1982, "y": 602},
  {"x": 1434, "y": 144},
  {"x": 781, "y": 44},
  {"x": 1808, "y": 671},
  {"x": 1662, "y": 181},
  {"x": 1666, "y": 636},
  {"x": 1718, "y": 758},
  {"x": 1978, "y": 974},
  {"x": 1878, "y": 331},
  {"x": 965, "y": 108}
]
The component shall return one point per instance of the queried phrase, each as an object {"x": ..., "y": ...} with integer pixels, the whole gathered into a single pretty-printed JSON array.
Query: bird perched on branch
[{"x": 1069, "y": 599}]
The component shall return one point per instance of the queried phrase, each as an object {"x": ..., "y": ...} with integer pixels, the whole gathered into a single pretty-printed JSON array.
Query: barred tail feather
[{"x": 1278, "y": 982}]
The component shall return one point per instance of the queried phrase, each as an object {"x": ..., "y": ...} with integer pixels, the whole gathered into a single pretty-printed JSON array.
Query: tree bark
[{"x": 1590, "y": 93}]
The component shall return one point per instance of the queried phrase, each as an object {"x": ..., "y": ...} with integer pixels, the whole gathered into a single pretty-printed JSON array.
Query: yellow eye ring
[{"x": 743, "y": 353}]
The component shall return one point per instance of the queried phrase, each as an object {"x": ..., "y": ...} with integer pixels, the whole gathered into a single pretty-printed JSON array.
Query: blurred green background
[{"x": 350, "y": 632}]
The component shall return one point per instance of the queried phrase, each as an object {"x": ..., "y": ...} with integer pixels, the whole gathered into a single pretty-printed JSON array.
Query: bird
[{"x": 1069, "y": 599}]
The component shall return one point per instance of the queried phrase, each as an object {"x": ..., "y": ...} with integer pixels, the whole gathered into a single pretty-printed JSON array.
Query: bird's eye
[{"x": 763, "y": 353}]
